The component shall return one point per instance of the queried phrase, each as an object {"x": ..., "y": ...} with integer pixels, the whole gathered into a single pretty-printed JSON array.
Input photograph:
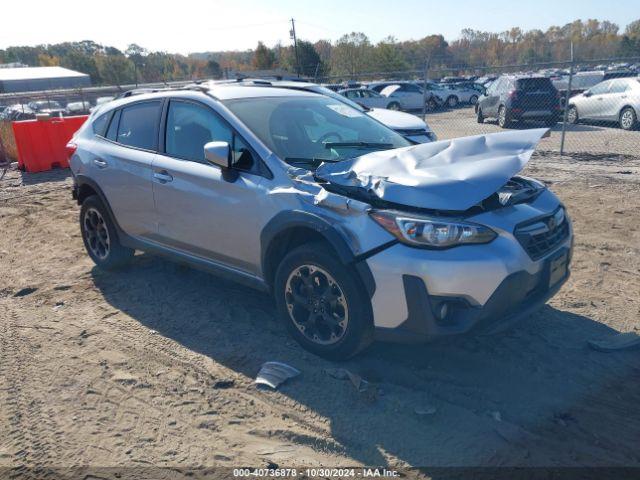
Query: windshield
[{"x": 311, "y": 129}]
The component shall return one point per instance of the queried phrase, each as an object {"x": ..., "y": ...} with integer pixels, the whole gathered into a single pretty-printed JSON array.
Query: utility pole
[
  {"x": 292, "y": 34},
  {"x": 566, "y": 104},
  {"x": 424, "y": 88}
]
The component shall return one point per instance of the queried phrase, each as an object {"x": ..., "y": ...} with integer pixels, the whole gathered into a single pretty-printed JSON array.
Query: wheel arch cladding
[
  {"x": 290, "y": 229},
  {"x": 87, "y": 187}
]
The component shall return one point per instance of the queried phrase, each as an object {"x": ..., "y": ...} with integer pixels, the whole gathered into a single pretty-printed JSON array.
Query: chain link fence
[{"x": 591, "y": 106}]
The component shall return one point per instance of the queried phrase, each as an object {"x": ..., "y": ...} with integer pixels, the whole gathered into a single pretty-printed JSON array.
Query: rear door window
[
  {"x": 138, "y": 126},
  {"x": 412, "y": 88},
  {"x": 618, "y": 86}
]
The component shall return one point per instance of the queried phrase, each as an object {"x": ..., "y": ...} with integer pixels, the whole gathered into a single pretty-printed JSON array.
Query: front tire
[
  {"x": 452, "y": 101},
  {"x": 473, "y": 99},
  {"x": 479, "y": 115},
  {"x": 394, "y": 106},
  {"x": 572, "y": 115},
  {"x": 100, "y": 237},
  {"x": 628, "y": 119},
  {"x": 323, "y": 303}
]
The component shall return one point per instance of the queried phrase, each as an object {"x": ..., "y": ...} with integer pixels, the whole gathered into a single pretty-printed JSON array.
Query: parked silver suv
[{"x": 357, "y": 233}]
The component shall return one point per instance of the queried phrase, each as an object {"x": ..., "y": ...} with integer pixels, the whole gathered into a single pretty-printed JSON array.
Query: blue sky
[{"x": 199, "y": 25}]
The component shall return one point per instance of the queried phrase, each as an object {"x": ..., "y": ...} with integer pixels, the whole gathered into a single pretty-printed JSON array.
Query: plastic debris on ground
[
  {"x": 357, "y": 381},
  {"x": 272, "y": 374}
]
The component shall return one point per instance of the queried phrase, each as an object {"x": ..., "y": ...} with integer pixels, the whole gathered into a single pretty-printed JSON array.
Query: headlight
[{"x": 431, "y": 232}]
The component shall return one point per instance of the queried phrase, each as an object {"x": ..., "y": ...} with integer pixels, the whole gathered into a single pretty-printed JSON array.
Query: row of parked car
[
  {"x": 410, "y": 95},
  {"x": 53, "y": 108},
  {"x": 603, "y": 95},
  {"x": 513, "y": 98}
]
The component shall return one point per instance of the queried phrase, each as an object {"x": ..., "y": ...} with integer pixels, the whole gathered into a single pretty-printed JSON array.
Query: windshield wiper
[
  {"x": 314, "y": 162},
  {"x": 357, "y": 145}
]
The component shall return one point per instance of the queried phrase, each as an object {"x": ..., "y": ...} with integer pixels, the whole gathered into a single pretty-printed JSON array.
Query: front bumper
[
  {"x": 485, "y": 287},
  {"x": 518, "y": 296}
]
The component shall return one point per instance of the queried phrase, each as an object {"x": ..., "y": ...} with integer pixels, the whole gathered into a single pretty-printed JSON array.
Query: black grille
[{"x": 542, "y": 235}]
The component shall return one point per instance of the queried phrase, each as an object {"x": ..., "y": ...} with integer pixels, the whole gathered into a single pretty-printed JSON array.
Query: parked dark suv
[{"x": 511, "y": 98}]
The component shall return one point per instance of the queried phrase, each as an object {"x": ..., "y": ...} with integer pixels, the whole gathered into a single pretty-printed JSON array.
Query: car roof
[
  {"x": 219, "y": 91},
  {"x": 234, "y": 91}
]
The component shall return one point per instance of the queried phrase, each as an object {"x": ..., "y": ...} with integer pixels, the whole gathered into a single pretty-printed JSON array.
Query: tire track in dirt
[
  {"x": 137, "y": 340},
  {"x": 33, "y": 433}
]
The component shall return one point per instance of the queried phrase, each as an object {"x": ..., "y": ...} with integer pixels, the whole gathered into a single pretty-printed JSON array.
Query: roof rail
[{"x": 142, "y": 91}]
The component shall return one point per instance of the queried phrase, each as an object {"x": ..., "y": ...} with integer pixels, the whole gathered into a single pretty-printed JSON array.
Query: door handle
[
  {"x": 163, "y": 176},
  {"x": 98, "y": 162}
]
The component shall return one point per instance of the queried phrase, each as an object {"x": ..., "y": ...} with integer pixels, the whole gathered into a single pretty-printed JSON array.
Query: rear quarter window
[{"x": 100, "y": 124}]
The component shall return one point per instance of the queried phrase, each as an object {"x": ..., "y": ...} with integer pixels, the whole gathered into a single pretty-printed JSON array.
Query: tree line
[{"x": 350, "y": 55}]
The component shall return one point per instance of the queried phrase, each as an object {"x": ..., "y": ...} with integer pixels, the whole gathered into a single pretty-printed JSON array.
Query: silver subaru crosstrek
[{"x": 358, "y": 233}]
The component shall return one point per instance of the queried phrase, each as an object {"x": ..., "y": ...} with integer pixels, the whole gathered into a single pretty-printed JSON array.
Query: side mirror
[
  {"x": 218, "y": 153},
  {"x": 587, "y": 93}
]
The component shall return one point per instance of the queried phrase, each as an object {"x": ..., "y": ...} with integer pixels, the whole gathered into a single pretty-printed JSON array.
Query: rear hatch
[{"x": 533, "y": 94}]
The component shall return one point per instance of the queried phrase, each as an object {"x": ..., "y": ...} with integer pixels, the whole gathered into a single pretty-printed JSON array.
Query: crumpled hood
[{"x": 451, "y": 174}]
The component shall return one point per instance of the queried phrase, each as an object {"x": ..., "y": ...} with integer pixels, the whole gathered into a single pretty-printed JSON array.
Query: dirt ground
[{"x": 154, "y": 365}]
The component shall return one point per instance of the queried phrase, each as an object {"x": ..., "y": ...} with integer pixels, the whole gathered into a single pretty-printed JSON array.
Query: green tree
[
  {"x": 351, "y": 54},
  {"x": 263, "y": 57},
  {"x": 213, "y": 69},
  {"x": 115, "y": 69},
  {"x": 387, "y": 57}
]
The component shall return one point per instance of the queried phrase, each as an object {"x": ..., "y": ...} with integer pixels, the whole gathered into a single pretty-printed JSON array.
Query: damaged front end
[
  {"x": 474, "y": 243},
  {"x": 459, "y": 177}
]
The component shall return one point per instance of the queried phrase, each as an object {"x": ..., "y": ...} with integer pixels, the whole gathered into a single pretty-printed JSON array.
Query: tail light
[
  {"x": 513, "y": 95},
  {"x": 71, "y": 148}
]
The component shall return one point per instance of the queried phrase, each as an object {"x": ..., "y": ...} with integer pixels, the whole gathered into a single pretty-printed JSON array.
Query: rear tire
[
  {"x": 473, "y": 99},
  {"x": 628, "y": 119},
  {"x": 503, "y": 117},
  {"x": 323, "y": 303},
  {"x": 479, "y": 116},
  {"x": 100, "y": 236}
]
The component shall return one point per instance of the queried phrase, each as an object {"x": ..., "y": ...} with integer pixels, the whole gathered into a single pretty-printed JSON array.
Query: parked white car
[
  {"x": 616, "y": 100},
  {"x": 456, "y": 94},
  {"x": 369, "y": 98},
  {"x": 407, "y": 95}
]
